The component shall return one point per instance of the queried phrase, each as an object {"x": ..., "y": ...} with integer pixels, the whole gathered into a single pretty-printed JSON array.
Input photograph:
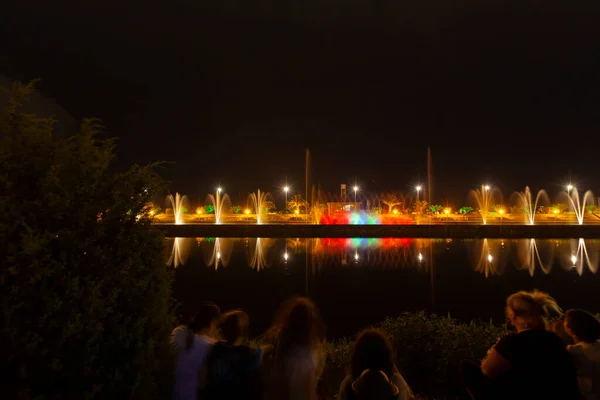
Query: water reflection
[
  {"x": 217, "y": 251},
  {"x": 180, "y": 250},
  {"x": 489, "y": 257}
]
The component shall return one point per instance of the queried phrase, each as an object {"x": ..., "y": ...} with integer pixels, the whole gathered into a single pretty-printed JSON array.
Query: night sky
[{"x": 234, "y": 91}]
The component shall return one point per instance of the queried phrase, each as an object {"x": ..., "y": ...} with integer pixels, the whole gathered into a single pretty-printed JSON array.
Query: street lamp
[
  {"x": 355, "y": 190},
  {"x": 286, "y": 189},
  {"x": 569, "y": 188},
  {"x": 418, "y": 190},
  {"x": 487, "y": 187}
]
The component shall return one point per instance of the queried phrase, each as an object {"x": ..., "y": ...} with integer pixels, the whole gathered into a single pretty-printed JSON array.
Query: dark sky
[{"x": 234, "y": 91}]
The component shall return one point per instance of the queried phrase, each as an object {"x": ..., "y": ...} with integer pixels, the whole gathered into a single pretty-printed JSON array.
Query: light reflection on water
[{"x": 489, "y": 257}]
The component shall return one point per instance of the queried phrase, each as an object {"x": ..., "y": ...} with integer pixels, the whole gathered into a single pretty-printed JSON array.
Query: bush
[
  {"x": 429, "y": 349},
  {"x": 86, "y": 309}
]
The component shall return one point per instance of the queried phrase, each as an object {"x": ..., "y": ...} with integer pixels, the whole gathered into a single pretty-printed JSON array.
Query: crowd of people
[{"x": 543, "y": 355}]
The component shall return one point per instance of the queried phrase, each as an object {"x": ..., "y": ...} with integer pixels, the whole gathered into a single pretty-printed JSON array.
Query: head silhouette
[{"x": 372, "y": 351}]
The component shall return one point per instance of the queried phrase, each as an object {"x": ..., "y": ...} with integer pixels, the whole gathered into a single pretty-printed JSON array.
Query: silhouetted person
[
  {"x": 532, "y": 363},
  {"x": 194, "y": 342},
  {"x": 232, "y": 367},
  {"x": 297, "y": 335},
  {"x": 584, "y": 328},
  {"x": 373, "y": 374}
]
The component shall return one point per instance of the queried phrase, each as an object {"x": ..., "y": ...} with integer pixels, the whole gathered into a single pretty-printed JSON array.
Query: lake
[{"x": 358, "y": 282}]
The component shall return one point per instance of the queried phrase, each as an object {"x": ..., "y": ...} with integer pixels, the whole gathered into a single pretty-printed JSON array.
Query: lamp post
[
  {"x": 286, "y": 189},
  {"x": 569, "y": 188},
  {"x": 418, "y": 190},
  {"x": 355, "y": 190}
]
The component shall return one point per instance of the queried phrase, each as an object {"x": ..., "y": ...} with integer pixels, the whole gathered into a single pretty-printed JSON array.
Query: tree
[
  {"x": 297, "y": 203},
  {"x": 236, "y": 209},
  {"x": 466, "y": 210},
  {"x": 86, "y": 309},
  {"x": 390, "y": 200},
  {"x": 268, "y": 206},
  {"x": 436, "y": 208},
  {"x": 420, "y": 206}
]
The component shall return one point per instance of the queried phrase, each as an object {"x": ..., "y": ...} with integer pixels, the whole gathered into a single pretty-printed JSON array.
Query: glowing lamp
[
  {"x": 501, "y": 211},
  {"x": 219, "y": 190},
  {"x": 490, "y": 258},
  {"x": 395, "y": 211},
  {"x": 286, "y": 189},
  {"x": 569, "y": 187},
  {"x": 199, "y": 210},
  {"x": 556, "y": 211},
  {"x": 418, "y": 188},
  {"x": 246, "y": 211},
  {"x": 355, "y": 188},
  {"x": 487, "y": 187},
  {"x": 297, "y": 211},
  {"x": 447, "y": 211}
]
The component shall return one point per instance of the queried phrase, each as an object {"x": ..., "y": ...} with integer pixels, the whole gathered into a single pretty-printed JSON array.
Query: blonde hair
[{"x": 533, "y": 306}]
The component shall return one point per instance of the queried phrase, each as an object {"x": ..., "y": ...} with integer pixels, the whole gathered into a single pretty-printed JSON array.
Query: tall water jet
[
  {"x": 576, "y": 255},
  {"x": 179, "y": 205},
  {"x": 577, "y": 205},
  {"x": 257, "y": 252},
  {"x": 259, "y": 201},
  {"x": 485, "y": 200},
  {"x": 221, "y": 204},
  {"x": 529, "y": 206}
]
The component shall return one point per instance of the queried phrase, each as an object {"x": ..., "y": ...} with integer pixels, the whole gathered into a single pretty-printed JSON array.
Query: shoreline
[{"x": 447, "y": 231}]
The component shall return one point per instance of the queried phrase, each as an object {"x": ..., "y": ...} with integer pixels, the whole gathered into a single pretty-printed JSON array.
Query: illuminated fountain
[
  {"x": 577, "y": 205},
  {"x": 220, "y": 203},
  {"x": 528, "y": 254},
  {"x": 484, "y": 198},
  {"x": 180, "y": 251},
  {"x": 217, "y": 252},
  {"x": 179, "y": 204},
  {"x": 528, "y": 205},
  {"x": 259, "y": 201}
]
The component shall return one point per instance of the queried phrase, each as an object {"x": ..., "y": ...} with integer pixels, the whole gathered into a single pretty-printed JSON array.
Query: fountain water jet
[
  {"x": 528, "y": 253},
  {"x": 180, "y": 251},
  {"x": 258, "y": 200},
  {"x": 484, "y": 198},
  {"x": 217, "y": 252},
  {"x": 579, "y": 206},
  {"x": 530, "y": 207},
  {"x": 179, "y": 204},
  {"x": 220, "y": 204}
]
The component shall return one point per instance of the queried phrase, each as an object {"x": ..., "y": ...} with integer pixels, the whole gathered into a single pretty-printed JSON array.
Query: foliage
[
  {"x": 561, "y": 207},
  {"x": 297, "y": 203},
  {"x": 420, "y": 206},
  {"x": 436, "y": 208},
  {"x": 268, "y": 206},
  {"x": 391, "y": 200},
  {"x": 236, "y": 209},
  {"x": 86, "y": 309},
  {"x": 429, "y": 349},
  {"x": 209, "y": 209},
  {"x": 466, "y": 210},
  {"x": 591, "y": 208}
]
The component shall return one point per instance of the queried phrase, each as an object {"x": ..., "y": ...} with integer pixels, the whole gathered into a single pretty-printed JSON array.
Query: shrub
[
  {"x": 429, "y": 349},
  {"x": 86, "y": 309}
]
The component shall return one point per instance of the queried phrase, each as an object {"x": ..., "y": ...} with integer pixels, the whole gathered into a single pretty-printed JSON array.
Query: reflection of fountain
[
  {"x": 179, "y": 204},
  {"x": 258, "y": 249},
  {"x": 220, "y": 204},
  {"x": 258, "y": 200},
  {"x": 484, "y": 198},
  {"x": 528, "y": 253},
  {"x": 487, "y": 256},
  {"x": 530, "y": 207},
  {"x": 579, "y": 206},
  {"x": 180, "y": 251},
  {"x": 578, "y": 255},
  {"x": 218, "y": 252}
]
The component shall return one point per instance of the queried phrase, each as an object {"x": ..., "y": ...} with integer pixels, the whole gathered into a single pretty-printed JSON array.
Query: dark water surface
[{"x": 358, "y": 282}]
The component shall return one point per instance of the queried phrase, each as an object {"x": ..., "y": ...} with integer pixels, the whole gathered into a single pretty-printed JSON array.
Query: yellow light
[
  {"x": 447, "y": 211},
  {"x": 297, "y": 211},
  {"x": 151, "y": 212},
  {"x": 501, "y": 211},
  {"x": 556, "y": 211},
  {"x": 199, "y": 210},
  {"x": 395, "y": 211},
  {"x": 247, "y": 211}
]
